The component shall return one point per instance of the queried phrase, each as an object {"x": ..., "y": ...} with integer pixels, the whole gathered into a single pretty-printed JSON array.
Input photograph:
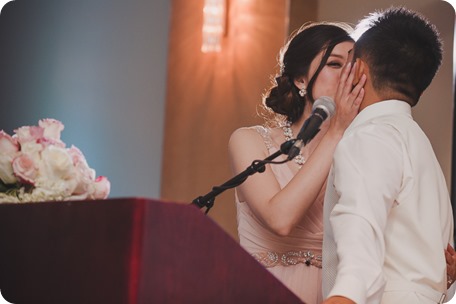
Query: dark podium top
[{"x": 131, "y": 250}]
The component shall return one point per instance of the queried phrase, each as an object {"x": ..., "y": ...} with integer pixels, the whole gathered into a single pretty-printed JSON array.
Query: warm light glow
[{"x": 213, "y": 25}]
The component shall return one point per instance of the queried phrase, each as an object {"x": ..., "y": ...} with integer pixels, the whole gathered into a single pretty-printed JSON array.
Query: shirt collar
[{"x": 385, "y": 107}]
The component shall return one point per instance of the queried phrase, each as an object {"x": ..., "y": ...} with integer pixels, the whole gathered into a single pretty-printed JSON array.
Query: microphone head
[{"x": 325, "y": 103}]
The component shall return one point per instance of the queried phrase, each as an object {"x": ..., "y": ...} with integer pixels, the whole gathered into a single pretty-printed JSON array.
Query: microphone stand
[{"x": 207, "y": 200}]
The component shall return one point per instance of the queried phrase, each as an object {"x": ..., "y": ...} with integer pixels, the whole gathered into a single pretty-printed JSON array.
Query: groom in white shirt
[{"x": 388, "y": 216}]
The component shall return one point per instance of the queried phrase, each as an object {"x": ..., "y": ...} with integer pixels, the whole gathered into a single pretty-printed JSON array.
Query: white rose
[
  {"x": 84, "y": 174},
  {"x": 57, "y": 171},
  {"x": 33, "y": 150},
  {"x": 102, "y": 188},
  {"x": 52, "y": 128},
  {"x": 6, "y": 169},
  {"x": 8, "y": 150}
]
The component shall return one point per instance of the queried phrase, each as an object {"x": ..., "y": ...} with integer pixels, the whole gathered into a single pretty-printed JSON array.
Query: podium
[{"x": 126, "y": 250}]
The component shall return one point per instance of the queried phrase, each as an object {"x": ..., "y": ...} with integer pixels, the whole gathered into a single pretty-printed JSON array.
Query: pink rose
[
  {"x": 28, "y": 134},
  {"x": 25, "y": 169},
  {"x": 102, "y": 188},
  {"x": 50, "y": 142}
]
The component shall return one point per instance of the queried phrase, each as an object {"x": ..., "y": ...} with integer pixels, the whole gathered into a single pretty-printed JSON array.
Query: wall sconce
[{"x": 214, "y": 22}]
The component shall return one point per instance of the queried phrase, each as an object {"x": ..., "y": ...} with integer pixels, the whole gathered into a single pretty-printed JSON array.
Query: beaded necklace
[{"x": 288, "y": 133}]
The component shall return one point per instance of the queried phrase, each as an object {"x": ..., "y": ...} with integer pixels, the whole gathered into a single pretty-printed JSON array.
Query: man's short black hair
[{"x": 403, "y": 51}]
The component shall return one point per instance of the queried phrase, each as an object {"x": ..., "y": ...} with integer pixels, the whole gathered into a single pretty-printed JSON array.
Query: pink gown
[{"x": 286, "y": 257}]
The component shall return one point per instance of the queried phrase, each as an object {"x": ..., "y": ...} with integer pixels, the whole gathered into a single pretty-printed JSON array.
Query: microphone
[{"x": 323, "y": 108}]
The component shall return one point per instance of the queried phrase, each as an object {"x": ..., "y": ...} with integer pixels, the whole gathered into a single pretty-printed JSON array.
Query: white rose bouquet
[{"x": 36, "y": 166}]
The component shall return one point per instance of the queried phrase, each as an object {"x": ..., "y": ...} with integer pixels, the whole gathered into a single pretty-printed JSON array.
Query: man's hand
[
  {"x": 450, "y": 256},
  {"x": 338, "y": 300}
]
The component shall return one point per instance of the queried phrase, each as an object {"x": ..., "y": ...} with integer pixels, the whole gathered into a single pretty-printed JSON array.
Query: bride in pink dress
[{"x": 280, "y": 211}]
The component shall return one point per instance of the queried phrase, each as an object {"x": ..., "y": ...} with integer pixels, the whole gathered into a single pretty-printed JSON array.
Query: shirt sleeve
[{"x": 368, "y": 165}]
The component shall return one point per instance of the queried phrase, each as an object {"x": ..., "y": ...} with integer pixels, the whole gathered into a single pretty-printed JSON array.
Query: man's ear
[{"x": 360, "y": 69}]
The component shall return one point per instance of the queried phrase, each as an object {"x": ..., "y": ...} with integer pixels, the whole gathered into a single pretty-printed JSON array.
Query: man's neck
[{"x": 371, "y": 97}]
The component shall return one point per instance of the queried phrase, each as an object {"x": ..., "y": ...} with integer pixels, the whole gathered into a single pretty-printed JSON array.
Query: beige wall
[{"x": 210, "y": 95}]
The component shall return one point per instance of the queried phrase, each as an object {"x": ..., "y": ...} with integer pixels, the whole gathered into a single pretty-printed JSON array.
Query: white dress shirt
[{"x": 388, "y": 216}]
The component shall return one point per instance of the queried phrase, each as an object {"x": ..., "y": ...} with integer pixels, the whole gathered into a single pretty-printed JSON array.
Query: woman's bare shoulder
[
  {"x": 248, "y": 138},
  {"x": 253, "y": 134}
]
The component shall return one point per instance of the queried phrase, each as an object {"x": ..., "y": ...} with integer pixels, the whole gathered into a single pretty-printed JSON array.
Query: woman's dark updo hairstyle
[{"x": 294, "y": 61}]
